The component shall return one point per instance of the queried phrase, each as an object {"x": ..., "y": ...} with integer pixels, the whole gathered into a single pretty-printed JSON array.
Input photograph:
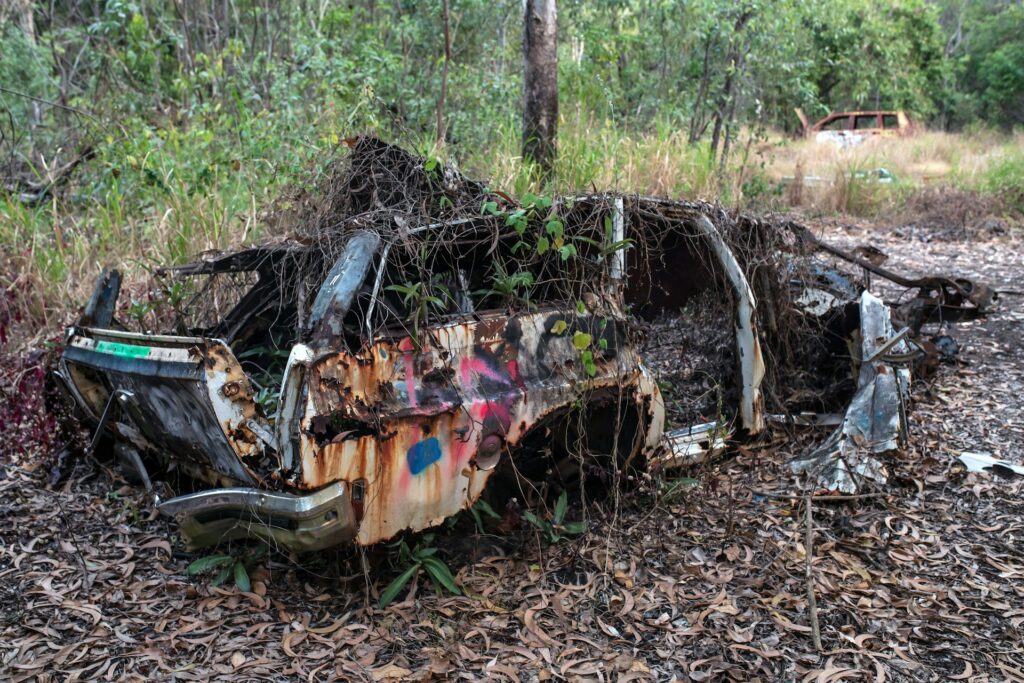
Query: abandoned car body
[
  {"x": 853, "y": 127},
  {"x": 378, "y": 373},
  {"x": 381, "y": 427}
]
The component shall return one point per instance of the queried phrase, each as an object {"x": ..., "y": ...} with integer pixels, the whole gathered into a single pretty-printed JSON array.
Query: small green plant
[
  {"x": 420, "y": 298},
  {"x": 422, "y": 557},
  {"x": 606, "y": 248},
  {"x": 509, "y": 287},
  {"x": 138, "y": 310},
  {"x": 678, "y": 488},
  {"x": 128, "y": 507},
  {"x": 582, "y": 342},
  {"x": 556, "y": 528},
  {"x": 534, "y": 207},
  {"x": 236, "y": 566},
  {"x": 482, "y": 506}
]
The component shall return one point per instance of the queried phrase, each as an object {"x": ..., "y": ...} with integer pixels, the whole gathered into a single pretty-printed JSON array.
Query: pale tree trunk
[
  {"x": 444, "y": 77},
  {"x": 540, "y": 82},
  {"x": 20, "y": 12}
]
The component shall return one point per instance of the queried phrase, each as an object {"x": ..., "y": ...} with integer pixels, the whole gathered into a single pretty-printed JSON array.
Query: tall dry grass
[{"x": 838, "y": 179}]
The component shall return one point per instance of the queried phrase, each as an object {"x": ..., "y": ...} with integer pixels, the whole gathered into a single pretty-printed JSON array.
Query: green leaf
[
  {"x": 567, "y": 251},
  {"x": 242, "y": 578},
  {"x": 424, "y": 552},
  {"x": 489, "y": 207},
  {"x": 587, "y": 240},
  {"x": 555, "y": 228},
  {"x": 430, "y": 164},
  {"x": 485, "y": 507},
  {"x": 534, "y": 520},
  {"x": 542, "y": 246},
  {"x": 582, "y": 340},
  {"x": 205, "y": 563},
  {"x": 621, "y": 244},
  {"x": 222, "y": 576},
  {"x": 559, "y": 327},
  {"x": 561, "y": 506},
  {"x": 575, "y": 528},
  {"x": 396, "y": 586},
  {"x": 439, "y": 570},
  {"x": 588, "y": 362}
]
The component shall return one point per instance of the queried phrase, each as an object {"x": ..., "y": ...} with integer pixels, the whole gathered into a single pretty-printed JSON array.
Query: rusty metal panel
[{"x": 423, "y": 426}]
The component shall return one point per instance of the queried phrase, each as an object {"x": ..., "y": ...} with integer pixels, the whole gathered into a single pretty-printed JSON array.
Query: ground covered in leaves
[{"x": 697, "y": 577}]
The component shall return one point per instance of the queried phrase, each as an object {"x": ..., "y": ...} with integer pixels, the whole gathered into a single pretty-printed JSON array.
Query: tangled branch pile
[{"x": 451, "y": 246}]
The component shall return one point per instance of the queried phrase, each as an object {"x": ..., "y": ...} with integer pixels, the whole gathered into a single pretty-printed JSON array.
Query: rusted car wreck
[
  {"x": 375, "y": 369},
  {"x": 849, "y": 128}
]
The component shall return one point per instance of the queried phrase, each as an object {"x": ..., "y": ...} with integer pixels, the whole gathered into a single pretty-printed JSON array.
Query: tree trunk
[
  {"x": 444, "y": 77},
  {"x": 698, "y": 124},
  {"x": 726, "y": 98},
  {"x": 540, "y": 82}
]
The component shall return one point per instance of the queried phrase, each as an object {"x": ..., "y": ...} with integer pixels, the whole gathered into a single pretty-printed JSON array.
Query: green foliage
[
  {"x": 991, "y": 54},
  {"x": 556, "y": 528},
  {"x": 27, "y": 68},
  {"x": 422, "y": 297},
  {"x": 228, "y": 566},
  {"x": 422, "y": 557},
  {"x": 509, "y": 287},
  {"x": 193, "y": 121},
  {"x": 1005, "y": 179},
  {"x": 479, "y": 508}
]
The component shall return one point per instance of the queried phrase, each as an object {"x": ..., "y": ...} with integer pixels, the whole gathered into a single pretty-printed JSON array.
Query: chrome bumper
[{"x": 298, "y": 523}]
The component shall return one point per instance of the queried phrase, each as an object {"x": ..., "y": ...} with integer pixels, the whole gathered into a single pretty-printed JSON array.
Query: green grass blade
[{"x": 396, "y": 586}]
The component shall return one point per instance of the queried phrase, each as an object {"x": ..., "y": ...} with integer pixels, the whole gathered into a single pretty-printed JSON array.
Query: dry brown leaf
[{"x": 389, "y": 672}]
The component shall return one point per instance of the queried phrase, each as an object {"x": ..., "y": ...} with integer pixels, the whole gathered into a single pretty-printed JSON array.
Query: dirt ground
[{"x": 701, "y": 578}]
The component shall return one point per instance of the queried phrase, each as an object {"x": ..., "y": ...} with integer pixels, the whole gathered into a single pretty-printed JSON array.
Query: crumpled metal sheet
[
  {"x": 875, "y": 420},
  {"x": 694, "y": 444}
]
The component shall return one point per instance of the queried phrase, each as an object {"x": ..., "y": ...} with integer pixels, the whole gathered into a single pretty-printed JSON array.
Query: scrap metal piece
[
  {"x": 983, "y": 462},
  {"x": 875, "y": 421},
  {"x": 808, "y": 419},
  {"x": 938, "y": 298},
  {"x": 747, "y": 345},
  {"x": 99, "y": 312},
  {"x": 189, "y": 395},
  {"x": 298, "y": 522},
  {"x": 694, "y": 444},
  {"x": 343, "y": 281}
]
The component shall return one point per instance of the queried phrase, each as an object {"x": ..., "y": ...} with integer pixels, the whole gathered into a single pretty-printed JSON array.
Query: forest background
[{"x": 136, "y": 134}]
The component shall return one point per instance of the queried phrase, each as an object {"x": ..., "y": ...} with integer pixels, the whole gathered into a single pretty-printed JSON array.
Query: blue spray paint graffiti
[{"x": 422, "y": 455}]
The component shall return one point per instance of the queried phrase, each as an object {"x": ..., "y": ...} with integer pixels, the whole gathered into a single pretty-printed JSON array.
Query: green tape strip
[{"x": 124, "y": 350}]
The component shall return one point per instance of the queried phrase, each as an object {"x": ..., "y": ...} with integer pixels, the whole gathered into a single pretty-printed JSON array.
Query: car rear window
[{"x": 890, "y": 121}]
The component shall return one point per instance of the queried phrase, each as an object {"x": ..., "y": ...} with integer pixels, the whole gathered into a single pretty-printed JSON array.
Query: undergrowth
[{"x": 153, "y": 194}]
